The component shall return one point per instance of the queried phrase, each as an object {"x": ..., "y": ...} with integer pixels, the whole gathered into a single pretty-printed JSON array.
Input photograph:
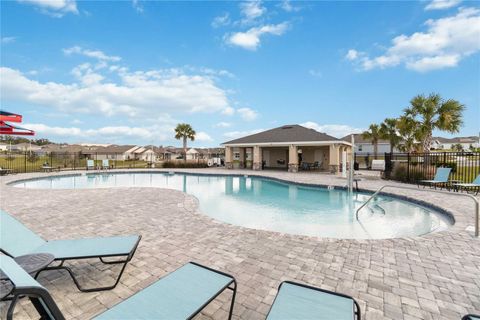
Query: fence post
[
  {"x": 408, "y": 166},
  {"x": 25, "y": 162}
]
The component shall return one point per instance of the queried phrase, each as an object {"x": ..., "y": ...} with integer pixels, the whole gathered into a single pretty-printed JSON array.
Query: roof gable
[{"x": 287, "y": 133}]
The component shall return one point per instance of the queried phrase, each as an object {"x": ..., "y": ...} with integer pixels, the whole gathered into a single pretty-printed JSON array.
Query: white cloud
[
  {"x": 247, "y": 114},
  {"x": 288, "y": 7},
  {"x": 107, "y": 133},
  {"x": 96, "y": 54},
  {"x": 252, "y": 10},
  {"x": 238, "y": 134},
  {"x": 137, "y": 6},
  {"x": 77, "y": 121},
  {"x": 432, "y": 63},
  {"x": 250, "y": 39},
  {"x": 442, "y": 4},
  {"x": 228, "y": 111},
  {"x": 54, "y": 8},
  {"x": 140, "y": 93},
  {"x": 203, "y": 137},
  {"x": 444, "y": 44},
  {"x": 352, "y": 55},
  {"x": 223, "y": 20},
  {"x": 222, "y": 125},
  {"x": 336, "y": 130},
  {"x": 6, "y": 40}
]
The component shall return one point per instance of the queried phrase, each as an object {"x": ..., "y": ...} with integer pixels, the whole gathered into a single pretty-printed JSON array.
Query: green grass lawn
[{"x": 19, "y": 164}]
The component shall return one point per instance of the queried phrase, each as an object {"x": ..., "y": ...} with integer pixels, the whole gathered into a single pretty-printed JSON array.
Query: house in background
[
  {"x": 193, "y": 154},
  {"x": 25, "y": 146},
  {"x": 364, "y": 146},
  {"x": 286, "y": 147},
  {"x": 112, "y": 152},
  {"x": 440, "y": 143},
  {"x": 145, "y": 153}
]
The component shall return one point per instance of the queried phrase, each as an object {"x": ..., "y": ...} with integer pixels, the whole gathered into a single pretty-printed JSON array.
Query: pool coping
[{"x": 451, "y": 217}]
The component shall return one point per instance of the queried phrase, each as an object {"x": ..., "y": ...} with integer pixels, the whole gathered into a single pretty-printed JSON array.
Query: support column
[
  {"x": 292, "y": 158},
  {"x": 334, "y": 161},
  {"x": 257, "y": 158},
  {"x": 243, "y": 158},
  {"x": 228, "y": 158}
]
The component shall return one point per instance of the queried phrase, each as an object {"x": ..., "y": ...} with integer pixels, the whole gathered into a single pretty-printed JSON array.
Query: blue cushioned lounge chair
[
  {"x": 105, "y": 164},
  {"x": 17, "y": 240},
  {"x": 23, "y": 285},
  {"x": 440, "y": 179},
  {"x": 181, "y": 294},
  {"x": 295, "y": 301},
  {"x": 90, "y": 165},
  {"x": 474, "y": 186}
]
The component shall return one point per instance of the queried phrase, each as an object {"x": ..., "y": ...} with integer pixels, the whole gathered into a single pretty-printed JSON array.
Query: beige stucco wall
[
  {"x": 271, "y": 155},
  {"x": 312, "y": 154}
]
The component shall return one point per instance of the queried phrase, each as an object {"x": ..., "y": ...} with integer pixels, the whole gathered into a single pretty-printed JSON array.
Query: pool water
[{"x": 266, "y": 204}]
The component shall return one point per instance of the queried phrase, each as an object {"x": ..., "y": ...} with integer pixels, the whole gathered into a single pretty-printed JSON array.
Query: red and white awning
[{"x": 8, "y": 129}]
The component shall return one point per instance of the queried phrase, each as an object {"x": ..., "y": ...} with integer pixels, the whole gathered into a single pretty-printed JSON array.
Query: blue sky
[{"x": 129, "y": 71}]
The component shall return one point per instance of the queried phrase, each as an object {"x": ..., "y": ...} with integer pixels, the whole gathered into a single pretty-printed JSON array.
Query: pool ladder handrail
[{"x": 475, "y": 200}]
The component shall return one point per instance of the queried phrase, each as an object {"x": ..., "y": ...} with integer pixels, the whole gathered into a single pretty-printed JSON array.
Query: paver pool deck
[{"x": 435, "y": 276}]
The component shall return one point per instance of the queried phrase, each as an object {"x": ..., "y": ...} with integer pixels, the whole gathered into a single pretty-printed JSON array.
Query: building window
[
  {"x": 236, "y": 155},
  {"x": 360, "y": 147}
]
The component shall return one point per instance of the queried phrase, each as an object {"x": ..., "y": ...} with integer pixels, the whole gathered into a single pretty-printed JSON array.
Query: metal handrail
[{"x": 475, "y": 200}]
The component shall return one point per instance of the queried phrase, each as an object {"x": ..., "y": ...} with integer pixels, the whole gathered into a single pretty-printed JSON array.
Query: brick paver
[{"x": 436, "y": 276}]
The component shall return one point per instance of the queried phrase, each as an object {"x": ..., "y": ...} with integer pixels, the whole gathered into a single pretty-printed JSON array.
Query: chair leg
[
  {"x": 11, "y": 308},
  {"x": 44, "y": 315},
  {"x": 82, "y": 289},
  {"x": 234, "y": 289}
]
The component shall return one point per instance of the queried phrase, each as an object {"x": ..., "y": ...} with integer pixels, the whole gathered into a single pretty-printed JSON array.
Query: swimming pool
[{"x": 266, "y": 204}]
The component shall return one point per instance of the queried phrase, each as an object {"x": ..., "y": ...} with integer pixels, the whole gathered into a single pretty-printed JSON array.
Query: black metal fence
[
  {"x": 21, "y": 162},
  {"x": 411, "y": 167}
]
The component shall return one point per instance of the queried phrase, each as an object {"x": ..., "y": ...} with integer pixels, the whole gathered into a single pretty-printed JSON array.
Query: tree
[
  {"x": 457, "y": 147},
  {"x": 184, "y": 131},
  {"x": 389, "y": 131},
  {"x": 433, "y": 113},
  {"x": 373, "y": 134},
  {"x": 407, "y": 128}
]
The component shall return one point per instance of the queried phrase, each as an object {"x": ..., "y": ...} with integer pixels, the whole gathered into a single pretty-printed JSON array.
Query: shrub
[
  {"x": 32, "y": 157},
  {"x": 182, "y": 164},
  {"x": 400, "y": 173}
]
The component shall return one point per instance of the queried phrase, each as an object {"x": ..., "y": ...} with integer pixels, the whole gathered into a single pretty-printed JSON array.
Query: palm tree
[
  {"x": 407, "y": 129},
  {"x": 434, "y": 113},
  {"x": 184, "y": 131},
  {"x": 373, "y": 134},
  {"x": 389, "y": 131}
]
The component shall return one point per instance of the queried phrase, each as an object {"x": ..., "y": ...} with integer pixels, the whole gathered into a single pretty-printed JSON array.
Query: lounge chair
[
  {"x": 475, "y": 185},
  {"x": 90, "y": 165},
  {"x": 26, "y": 286},
  {"x": 105, "y": 164},
  {"x": 471, "y": 317},
  {"x": 440, "y": 179},
  {"x": 181, "y": 294},
  {"x": 300, "y": 301},
  {"x": 378, "y": 165},
  {"x": 5, "y": 171},
  {"x": 17, "y": 240}
]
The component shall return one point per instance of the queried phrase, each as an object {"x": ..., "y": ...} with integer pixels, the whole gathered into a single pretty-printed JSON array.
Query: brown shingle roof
[{"x": 287, "y": 133}]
